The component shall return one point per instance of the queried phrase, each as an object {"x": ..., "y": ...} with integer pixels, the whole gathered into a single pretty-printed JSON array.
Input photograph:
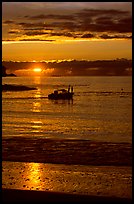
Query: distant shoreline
[
  {"x": 10, "y": 87},
  {"x": 9, "y": 75}
]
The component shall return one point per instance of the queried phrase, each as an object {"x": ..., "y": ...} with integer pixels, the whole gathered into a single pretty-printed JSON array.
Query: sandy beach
[
  {"x": 66, "y": 170},
  {"x": 76, "y": 179}
]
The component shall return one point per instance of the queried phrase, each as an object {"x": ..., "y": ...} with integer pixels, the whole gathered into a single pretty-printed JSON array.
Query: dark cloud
[
  {"x": 105, "y": 36},
  {"x": 88, "y": 35},
  {"x": 51, "y": 16},
  {"x": 90, "y": 20},
  {"x": 96, "y": 20},
  {"x": 125, "y": 25},
  {"x": 89, "y": 68},
  {"x": 43, "y": 33},
  {"x": 104, "y": 20},
  {"x": 95, "y": 13},
  {"x": 32, "y": 25},
  {"x": 61, "y": 34},
  {"x": 33, "y": 33},
  {"x": 68, "y": 25},
  {"x": 13, "y": 32},
  {"x": 118, "y": 67},
  {"x": 9, "y": 40},
  {"x": 8, "y": 22},
  {"x": 35, "y": 39},
  {"x": 105, "y": 23},
  {"x": 38, "y": 29}
]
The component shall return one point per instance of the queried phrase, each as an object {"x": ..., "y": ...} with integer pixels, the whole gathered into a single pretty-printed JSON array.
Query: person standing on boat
[{"x": 69, "y": 89}]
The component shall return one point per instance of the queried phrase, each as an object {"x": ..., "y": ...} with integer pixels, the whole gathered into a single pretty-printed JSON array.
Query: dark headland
[{"x": 10, "y": 87}]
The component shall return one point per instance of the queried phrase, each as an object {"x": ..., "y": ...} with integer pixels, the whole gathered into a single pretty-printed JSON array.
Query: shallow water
[
  {"x": 90, "y": 180},
  {"x": 100, "y": 109}
]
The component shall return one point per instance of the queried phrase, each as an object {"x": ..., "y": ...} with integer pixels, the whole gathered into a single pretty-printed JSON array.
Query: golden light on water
[
  {"x": 36, "y": 102},
  {"x": 34, "y": 175}
]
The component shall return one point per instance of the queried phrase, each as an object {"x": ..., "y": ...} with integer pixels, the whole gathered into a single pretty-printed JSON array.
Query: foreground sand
[
  {"x": 66, "y": 170},
  {"x": 75, "y": 179},
  {"x": 25, "y": 196}
]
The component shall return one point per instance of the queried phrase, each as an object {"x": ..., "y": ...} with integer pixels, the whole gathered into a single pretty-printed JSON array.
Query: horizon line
[{"x": 68, "y": 60}]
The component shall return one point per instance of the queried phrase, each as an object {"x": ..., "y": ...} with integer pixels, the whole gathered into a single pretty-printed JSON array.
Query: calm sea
[{"x": 100, "y": 109}]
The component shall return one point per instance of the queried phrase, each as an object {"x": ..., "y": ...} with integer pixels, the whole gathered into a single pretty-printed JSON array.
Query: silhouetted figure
[
  {"x": 55, "y": 92},
  {"x": 71, "y": 89},
  {"x": 68, "y": 88}
]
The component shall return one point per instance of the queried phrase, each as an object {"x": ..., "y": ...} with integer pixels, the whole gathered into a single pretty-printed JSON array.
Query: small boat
[{"x": 62, "y": 94}]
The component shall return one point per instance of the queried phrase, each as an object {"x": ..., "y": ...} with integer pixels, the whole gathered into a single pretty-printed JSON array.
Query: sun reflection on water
[
  {"x": 36, "y": 102},
  {"x": 37, "y": 123},
  {"x": 38, "y": 176},
  {"x": 37, "y": 126},
  {"x": 30, "y": 176},
  {"x": 34, "y": 174},
  {"x": 36, "y": 107},
  {"x": 38, "y": 94}
]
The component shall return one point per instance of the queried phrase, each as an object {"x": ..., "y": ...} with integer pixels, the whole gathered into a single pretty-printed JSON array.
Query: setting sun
[{"x": 37, "y": 70}]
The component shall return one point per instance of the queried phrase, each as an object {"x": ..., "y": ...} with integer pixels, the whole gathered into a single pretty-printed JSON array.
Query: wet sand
[
  {"x": 59, "y": 151},
  {"x": 66, "y": 170},
  {"x": 80, "y": 179}
]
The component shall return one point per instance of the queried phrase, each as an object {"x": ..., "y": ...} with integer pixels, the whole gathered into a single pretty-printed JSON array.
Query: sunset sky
[{"x": 43, "y": 31}]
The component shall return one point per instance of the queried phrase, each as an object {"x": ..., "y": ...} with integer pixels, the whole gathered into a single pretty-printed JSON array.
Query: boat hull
[{"x": 65, "y": 96}]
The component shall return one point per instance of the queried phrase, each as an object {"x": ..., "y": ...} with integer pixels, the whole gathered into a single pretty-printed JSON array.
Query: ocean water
[{"x": 101, "y": 109}]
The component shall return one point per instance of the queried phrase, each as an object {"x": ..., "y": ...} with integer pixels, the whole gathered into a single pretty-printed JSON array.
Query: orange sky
[{"x": 66, "y": 30}]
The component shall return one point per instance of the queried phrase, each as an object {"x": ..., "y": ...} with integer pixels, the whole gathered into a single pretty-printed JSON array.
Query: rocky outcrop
[
  {"x": 4, "y": 74},
  {"x": 9, "y": 87}
]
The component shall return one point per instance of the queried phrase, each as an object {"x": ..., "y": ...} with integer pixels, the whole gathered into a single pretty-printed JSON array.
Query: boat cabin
[{"x": 61, "y": 94}]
